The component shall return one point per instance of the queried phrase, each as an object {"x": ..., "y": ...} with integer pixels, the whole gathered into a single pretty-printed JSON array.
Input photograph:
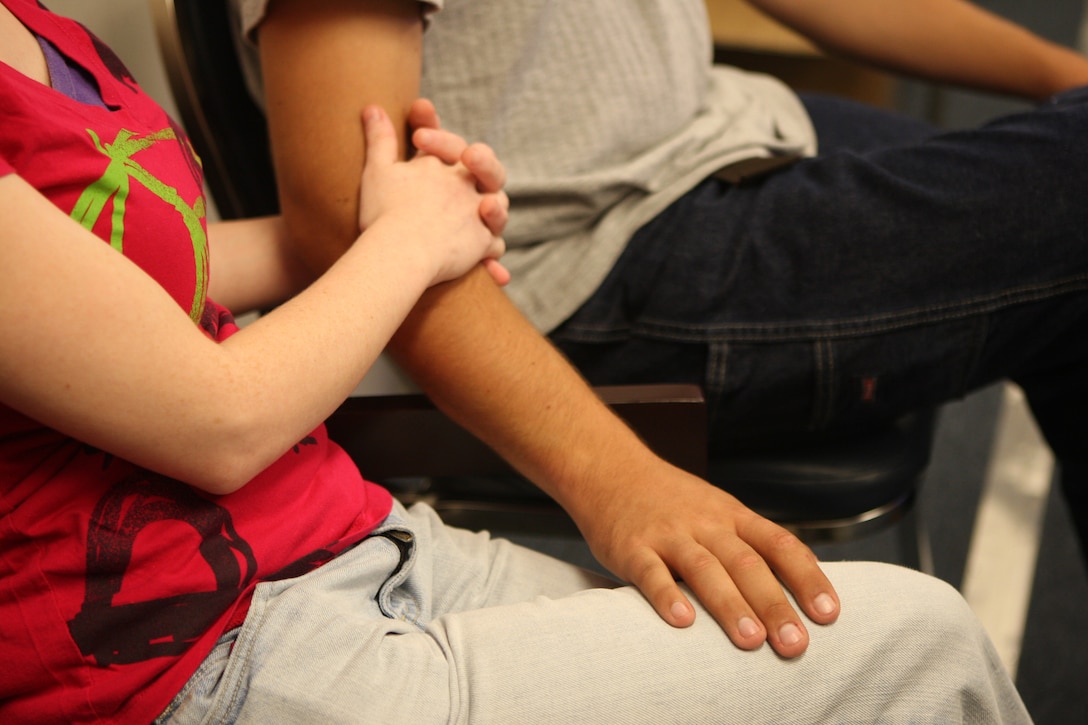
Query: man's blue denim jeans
[{"x": 901, "y": 267}]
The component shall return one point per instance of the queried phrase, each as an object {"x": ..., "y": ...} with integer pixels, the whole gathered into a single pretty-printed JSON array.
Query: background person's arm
[
  {"x": 951, "y": 41},
  {"x": 484, "y": 364}
]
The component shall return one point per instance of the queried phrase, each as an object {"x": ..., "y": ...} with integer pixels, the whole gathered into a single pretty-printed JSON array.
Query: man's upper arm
[{"x": 322, "y": 62}]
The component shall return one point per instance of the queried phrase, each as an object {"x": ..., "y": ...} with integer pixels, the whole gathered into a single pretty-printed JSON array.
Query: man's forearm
[{"x": 483, "y": 363}]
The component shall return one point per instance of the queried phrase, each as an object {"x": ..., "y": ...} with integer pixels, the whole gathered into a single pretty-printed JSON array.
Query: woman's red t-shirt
[{"x": 116, "y": 582}]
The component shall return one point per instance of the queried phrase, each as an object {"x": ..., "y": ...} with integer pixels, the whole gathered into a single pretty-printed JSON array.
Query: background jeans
[
  {"x": 900, "y": 268},
  {"x": 424, "y": 624}
]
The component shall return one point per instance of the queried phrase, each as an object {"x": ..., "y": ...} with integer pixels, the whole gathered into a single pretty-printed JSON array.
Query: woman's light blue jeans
[{"x": 422, "y": 623}]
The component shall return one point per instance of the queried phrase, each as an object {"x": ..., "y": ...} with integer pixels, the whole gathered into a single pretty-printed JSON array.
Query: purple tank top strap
[{"x": 68, "y": 78}]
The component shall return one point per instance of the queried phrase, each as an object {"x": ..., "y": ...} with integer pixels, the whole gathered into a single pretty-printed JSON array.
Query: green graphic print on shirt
[{"x": 114, "y": 184}]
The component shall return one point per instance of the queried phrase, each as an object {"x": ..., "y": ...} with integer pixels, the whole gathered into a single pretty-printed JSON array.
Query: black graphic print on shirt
[{"x": 133, "y": 632}]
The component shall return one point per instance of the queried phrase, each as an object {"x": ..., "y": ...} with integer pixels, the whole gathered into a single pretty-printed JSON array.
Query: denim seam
[
  {"x": 978, "y": 344},
  {"x": 212, "y": 662},
  {"x": 241, "y": 655},
  {"x": 824, "y": 355},
  {"x": 717, "y": 370},
  {"x": 652, "y": 328}
]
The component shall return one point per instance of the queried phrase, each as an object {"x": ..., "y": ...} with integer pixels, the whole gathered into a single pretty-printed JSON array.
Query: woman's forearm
[{"x": 253, "y": 265}]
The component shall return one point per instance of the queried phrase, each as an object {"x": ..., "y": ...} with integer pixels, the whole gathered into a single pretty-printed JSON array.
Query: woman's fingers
[
  {"x": 445, "y": 145},
  {"x": 422, "y": 114},
  {"x": 381, "y": 137},
  {"x": 499, "y": 273},
  {"x": 480, "y": 159},
  {"x": 495, "y": 212}
]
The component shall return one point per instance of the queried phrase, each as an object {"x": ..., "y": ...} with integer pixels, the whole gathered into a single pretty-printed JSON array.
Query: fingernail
[
  {"x": 747, "y": 627},
  {"x": 679, "y": 610},
  {"x": 824, "y": 604},
  {"x": 789, "y": 634}
]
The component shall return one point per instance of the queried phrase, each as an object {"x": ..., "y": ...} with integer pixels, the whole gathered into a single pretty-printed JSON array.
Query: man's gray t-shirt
[{"x": 604, "y": 112}]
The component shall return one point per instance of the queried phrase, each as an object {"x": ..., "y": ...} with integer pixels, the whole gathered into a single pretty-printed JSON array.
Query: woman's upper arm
[
  {"x": 94, "y": 347},
  {"x": 75, "y": 348},
  {"x": 322, "y": 62}
]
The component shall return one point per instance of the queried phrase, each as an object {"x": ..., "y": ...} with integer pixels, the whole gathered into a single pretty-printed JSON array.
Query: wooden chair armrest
[{"x": 394, "y": 436}]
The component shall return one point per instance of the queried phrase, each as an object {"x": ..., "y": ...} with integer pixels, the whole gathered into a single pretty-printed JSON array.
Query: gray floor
[{"x": 1054, "y": 659}]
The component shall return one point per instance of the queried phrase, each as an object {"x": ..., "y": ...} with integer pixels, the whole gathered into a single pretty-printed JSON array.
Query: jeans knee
[{"x": 907, "y": 606}]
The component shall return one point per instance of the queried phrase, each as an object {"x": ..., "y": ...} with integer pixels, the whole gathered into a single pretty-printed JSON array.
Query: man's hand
[{"x": 669, "y": 525}]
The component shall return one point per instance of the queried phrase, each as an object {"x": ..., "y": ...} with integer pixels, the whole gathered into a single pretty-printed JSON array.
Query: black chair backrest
[{"x": 225, "y": 125}]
